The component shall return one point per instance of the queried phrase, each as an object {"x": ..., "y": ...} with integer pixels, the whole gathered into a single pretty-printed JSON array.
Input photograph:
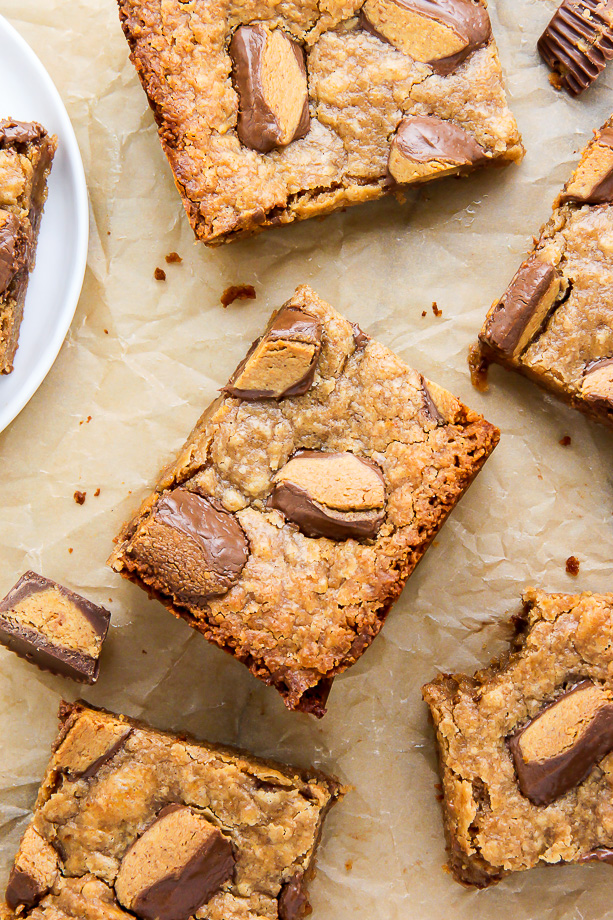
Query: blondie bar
[
  {"x": 270, "y": 113},
  {"x": 554, "y": 324},
  {"x": 304, "y": 498},
  {"x": 54, "y": 628},
  {"x": 26, "y": 156},
  {"x": 525, "y": 745},
  {"x": 131, "y": 821}
]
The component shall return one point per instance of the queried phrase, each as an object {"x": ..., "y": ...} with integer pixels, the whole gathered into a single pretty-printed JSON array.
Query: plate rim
[{"x": 71, "y": 298}]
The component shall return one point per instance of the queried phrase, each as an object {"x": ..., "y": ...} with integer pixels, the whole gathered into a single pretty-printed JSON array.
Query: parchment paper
[{"x": 144, "y": 357}]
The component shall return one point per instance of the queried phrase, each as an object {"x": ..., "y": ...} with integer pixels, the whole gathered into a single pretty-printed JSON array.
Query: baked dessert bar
[
  {"x": 554, "y": 323},
  {"x": 131, "y": 821},
  {"x": 270, "y": 113},
  {"x": 525, "y": 745},
  {"x": 303, "y": 499},
  {"x": 26, "y": 156},
  {"x": 54, "y": 628},
  {"x": 578, "y": 42}
]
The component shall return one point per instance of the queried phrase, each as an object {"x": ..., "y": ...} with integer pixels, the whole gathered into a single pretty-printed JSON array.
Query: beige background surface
[{"x": 169, "y": 347}]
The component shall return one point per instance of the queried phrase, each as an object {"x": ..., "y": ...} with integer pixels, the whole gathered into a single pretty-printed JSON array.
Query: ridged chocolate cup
[{"x": 578, "y": 42}]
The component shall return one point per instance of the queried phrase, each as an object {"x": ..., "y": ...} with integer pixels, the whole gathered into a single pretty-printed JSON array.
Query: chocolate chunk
[
  {"x": 557, "y": 749},
  {"x": 425, "y": 145},
  {"x": 20, "y": 132},
  {"x": 9, "y": 237},
  {"x": 54, "y": 628},
  {"x": 85, "y": 751},
  {"x": 218, "y": 533},
  {"x": 430, "y": 405},
  {"x": 175, "y": 867},
  {"x": 191, "y": 546},
  {"x": 601, "y": 854},
  {"x": 34, "y": 873},
  {"x": 293, "y": 900},
  {"x": 592, "y": 181},
  {"x": 360, "y": 338},
  {"x": 282, "y": 362},
  {"x": 578, "y": 42},
  {"x": 440, "y": 405},
  {"x": 22, "y": 890},
  {"x": 271, "y": 82},
  {"x": 523, "y": 309},
  {"x": 335, "y": 495},
  {"x": 597, "y": 385},
  {"x": 441, "y": 33}
]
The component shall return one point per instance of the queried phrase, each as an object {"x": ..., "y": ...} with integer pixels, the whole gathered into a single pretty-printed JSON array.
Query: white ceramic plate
[{"x": 28, "y": 94}]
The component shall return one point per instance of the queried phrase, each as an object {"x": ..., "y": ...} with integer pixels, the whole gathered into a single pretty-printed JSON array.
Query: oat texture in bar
[
  {"x": 554, "y": 324},
  {"x": 26, "y": 156},
  {"x": 133, "y": 822},
  {"x": 525, "y": 746},
  {"x": 270, "y": 113},
  {"x": 303, "y": 500}
]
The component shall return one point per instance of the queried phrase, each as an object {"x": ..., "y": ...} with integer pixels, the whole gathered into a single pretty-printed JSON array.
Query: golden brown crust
[
  {"x": 269, "y": 816},
  {"x": 305, "y": 608},
  {"x": 574, "y": 334},
  {"x": 491, "y": 827},
  {"x": 181, "y": 53}
]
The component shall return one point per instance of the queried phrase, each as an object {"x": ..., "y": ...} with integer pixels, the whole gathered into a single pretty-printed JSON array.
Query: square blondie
[
  {"x": 273, "y": 112},
  {"x": 303, "y": 500},
  {"x": 131, "y": 821},
  {"x": 554, "y": 323},
  {"x": 54, "y": 628},
  {"x": 525, "y": 745}
]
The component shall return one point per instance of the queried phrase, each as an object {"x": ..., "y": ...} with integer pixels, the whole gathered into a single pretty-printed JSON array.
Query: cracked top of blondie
[
  {"x": 303, "y": 499},
  {"x": 271, "y": 112},
  {"x": 525, "y": 745},
  {"x": 554, "y": 323},
  {"x": 133, "y": 821}
]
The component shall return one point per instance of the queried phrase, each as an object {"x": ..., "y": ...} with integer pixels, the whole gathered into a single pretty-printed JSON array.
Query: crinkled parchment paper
[{"x": 143, "y": 358}]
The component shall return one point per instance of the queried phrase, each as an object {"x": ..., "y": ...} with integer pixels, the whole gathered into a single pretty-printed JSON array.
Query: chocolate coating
[
  {"x": 10, "y": 263},
  {"x": 95, "y": 766},
  {"x": 469, "y": 21},
  {"x": 360, "y": 338},
  {"x": 293, "y": 900},
  {"x": 597, "y": 365},
  {"x": 601, "y": 854},
  {"x": 257, "y": 126},
  {"x": 602, "y": 191},
  {"x": 423, "y": 138},
  {"x": 35, "y": 648},
  {"x": 577, "y": 43},
  {"x": 31, "y": 644},
  {"x": 217, "y": 533},
  {"x": 511, "y": 317},
  {"x": 601, "y": 395},
  {"x": 22, "y": 890},
  {"x": 20, "y": 132},
  {"x": 294, "y": 323},
  {"x": 291, "y": 325},
  {"x": 318, "y": 520},
  {"x": 431, "y": 409},
  {"x": 178, "y": 896},
  {"x": 543, "y": 781},
  {"x": 32, "y": 583}
]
